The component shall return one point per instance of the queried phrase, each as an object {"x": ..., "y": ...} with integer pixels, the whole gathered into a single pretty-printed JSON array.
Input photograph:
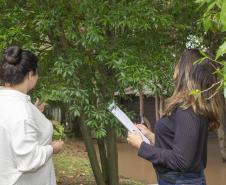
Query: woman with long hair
[
  {"x": 179, "y": 153},
  {"x": 26, "y": 145}
]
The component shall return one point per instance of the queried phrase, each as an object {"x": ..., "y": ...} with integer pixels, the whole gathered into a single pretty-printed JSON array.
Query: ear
[{"x": 30, "y": 74}]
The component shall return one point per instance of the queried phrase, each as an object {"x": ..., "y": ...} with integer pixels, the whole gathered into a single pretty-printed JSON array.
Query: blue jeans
[{"x": 172, "y": 178}]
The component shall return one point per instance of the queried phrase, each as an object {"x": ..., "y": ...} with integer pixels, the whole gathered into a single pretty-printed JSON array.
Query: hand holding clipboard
[{"x": 124, "y": 119}]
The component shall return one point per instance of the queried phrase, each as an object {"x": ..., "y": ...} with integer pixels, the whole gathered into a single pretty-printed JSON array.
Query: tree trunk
[
  {"x": 221, "y": 140},
  {"x": 161, "y": 106},
  {"x": 141, "y": 98},
  {"x": 91, "y": 153},
  {"x": 143, "y": 119},
  {"x": 56, "y": 114},
  {"x": 112, "y": 156},
  {"x": 156, "y": 108},
  {"x": 148, "y": 123},
  {"x": 103, "y": 159},
  {"x": 221, "y": 134}
]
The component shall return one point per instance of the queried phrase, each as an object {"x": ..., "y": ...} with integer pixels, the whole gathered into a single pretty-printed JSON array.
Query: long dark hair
[
  {"x": 16, "y": 64},
  {"x": 189, "y": 75}
]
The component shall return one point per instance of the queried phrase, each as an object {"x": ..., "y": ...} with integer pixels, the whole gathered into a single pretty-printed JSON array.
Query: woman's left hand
[
  {"x": 40, "y": 105},
  {"x": 135, "y": 139}
]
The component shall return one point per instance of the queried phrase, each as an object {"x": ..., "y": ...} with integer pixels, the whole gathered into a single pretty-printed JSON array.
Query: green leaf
[
  {"x": 223, "y": 15},
  {"x": 221, "y": 50},
  {"x": 207, "y": 24},
  {"x": 195, "y": 92},
  {"x": 58, "y": 132}
]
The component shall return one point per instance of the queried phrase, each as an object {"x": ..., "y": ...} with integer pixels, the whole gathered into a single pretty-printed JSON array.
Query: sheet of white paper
[{"x": 124, "y": 119}]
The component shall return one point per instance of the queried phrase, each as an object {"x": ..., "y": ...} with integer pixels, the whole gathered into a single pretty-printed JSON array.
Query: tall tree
[
  {"x": 91, "y": 49},
  {"x": 214, "y": 26}
]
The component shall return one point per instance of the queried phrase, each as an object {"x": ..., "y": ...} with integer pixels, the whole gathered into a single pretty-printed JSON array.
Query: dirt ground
[
  {"x": 73, "y": 168},
  {"x": 68, "y": 170}
]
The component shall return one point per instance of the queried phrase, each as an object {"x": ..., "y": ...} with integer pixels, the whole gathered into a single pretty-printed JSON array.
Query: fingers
[
  {"x": 138, "y": 134},
  {"x": 58, "y": 142},
  {"x": 134, "y": 139},
  {"x": 40, "y": 105},
  {"x": 129, "y": 136},
  {"x": 37, "y": 102},
  {"x": 141, "y": 126},
  {"x": 133, "y": 134},
  {"x": 57, "y": 146}
]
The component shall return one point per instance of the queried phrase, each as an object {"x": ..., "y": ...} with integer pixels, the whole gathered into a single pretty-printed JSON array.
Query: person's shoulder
[
  {"x": 187, "y": 113},
  {"x": 188, "y": 110},
  {"x": 18, "y": 108}
]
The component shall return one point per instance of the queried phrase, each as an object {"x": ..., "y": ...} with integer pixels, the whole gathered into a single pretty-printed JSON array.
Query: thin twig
[
  {"x": 212, "y": 95},
  {"x": 221, "y": 81},
  {"x": 215, "y": 91}
]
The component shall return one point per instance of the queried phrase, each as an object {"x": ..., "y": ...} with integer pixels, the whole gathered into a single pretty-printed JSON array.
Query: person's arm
[
  {"x": 184, "y": 147},
  {"x": 29, "y": 154}
]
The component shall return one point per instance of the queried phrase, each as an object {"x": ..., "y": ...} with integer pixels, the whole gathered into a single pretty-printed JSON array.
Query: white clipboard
[{"x": 124, "y": 119}]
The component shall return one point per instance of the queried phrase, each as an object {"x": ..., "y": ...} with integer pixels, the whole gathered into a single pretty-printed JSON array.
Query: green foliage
[
  {"x": 195, "y": 92},
  {"x": 214, "y": 16},
  {"x": 58, "y": 131},
  {"x": 222, "y": 50},
  {"x": 211, "y": 18},
  {"x": 90, "y": 49},
  {"x": 223, "y": 15},
  {"x": 214, "y": 20}
]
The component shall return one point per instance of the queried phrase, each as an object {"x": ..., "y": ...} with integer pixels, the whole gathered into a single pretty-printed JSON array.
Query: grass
[{"x": 73, "y": 168}]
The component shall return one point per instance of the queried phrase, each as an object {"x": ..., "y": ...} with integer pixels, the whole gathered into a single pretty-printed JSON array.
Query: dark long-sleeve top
[{"x": 180, "y": 143}]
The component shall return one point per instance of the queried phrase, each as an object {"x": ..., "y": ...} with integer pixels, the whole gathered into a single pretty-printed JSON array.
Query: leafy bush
[{"x": 58, "y": 130}]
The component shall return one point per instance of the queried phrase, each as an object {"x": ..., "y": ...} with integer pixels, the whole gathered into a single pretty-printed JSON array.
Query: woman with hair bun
[
  {"x": 26, "y": 145},
  {"x": 179, "y": 154}
]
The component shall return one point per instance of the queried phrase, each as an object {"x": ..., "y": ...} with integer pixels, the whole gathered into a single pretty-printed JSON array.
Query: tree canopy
[{"x": 90, "y": 49}]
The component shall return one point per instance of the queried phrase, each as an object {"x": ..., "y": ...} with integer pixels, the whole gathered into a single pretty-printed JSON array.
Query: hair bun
[{"x": 12, "y": 55}]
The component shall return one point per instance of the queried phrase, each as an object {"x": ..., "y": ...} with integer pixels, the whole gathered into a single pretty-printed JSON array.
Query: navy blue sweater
[{"x": 180, "y": 143}]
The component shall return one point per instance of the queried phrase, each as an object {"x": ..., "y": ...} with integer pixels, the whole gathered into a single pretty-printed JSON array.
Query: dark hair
[
  {"x": 16, "y": 64},
  {"x": 189, "y": 75}
]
